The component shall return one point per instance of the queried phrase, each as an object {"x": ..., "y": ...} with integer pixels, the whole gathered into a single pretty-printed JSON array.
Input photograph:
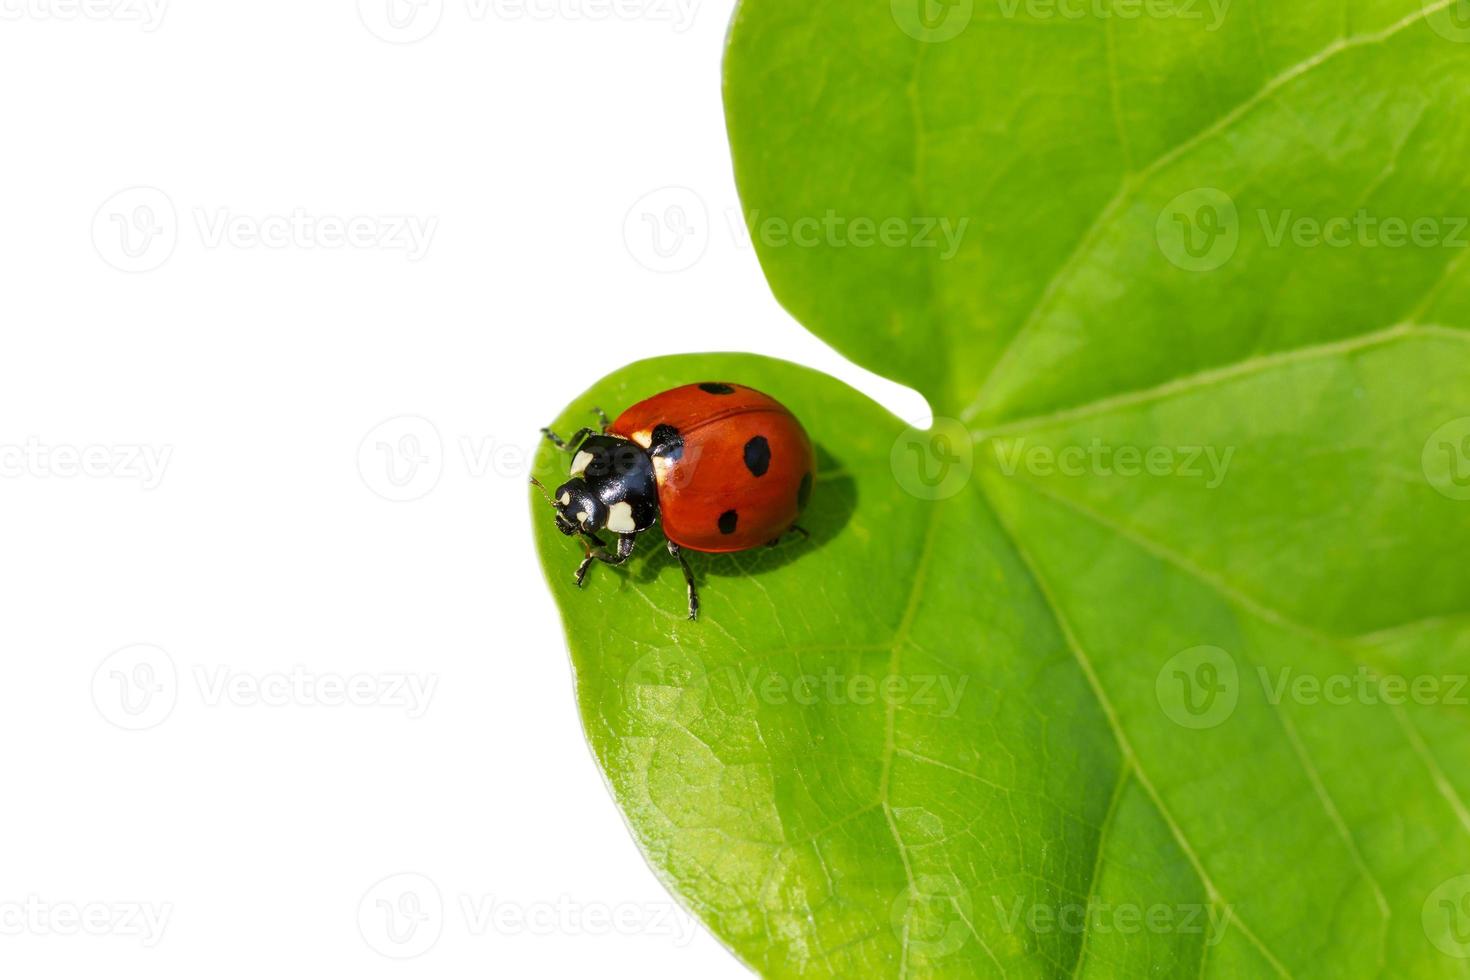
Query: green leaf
[{"x": 1148, "y": 660}]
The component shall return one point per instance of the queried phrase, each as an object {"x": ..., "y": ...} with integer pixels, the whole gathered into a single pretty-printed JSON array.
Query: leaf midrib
[
  {"x": 1219, "y": 375},
  {"x": 1239, "y": 598},
  {"x": 1125, "y": 746}
]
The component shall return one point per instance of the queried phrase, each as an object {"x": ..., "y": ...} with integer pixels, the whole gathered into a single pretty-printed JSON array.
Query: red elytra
[{"x": 744, "y": 472}]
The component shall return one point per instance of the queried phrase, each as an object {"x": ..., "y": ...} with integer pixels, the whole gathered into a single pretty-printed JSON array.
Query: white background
[{"x": 213, "y": 411}]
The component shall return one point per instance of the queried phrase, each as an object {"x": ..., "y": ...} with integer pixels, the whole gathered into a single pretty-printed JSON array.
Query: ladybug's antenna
[{"x": 544, "y": 492}]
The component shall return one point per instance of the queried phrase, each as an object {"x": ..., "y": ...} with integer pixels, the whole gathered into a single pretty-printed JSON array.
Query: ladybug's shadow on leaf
[{"x": 833, "y": 502}]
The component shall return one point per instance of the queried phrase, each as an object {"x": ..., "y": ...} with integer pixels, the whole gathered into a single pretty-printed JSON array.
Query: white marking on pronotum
[
  {"x": 620, "y": 518},
  {"x": 580, "y": 462},
  {"x": 566, "y": 499}
]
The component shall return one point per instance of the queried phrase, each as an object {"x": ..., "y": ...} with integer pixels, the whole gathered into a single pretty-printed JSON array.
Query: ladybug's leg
[
  {"x": 688, "y": 581},
  {"x": 582, "y": 569},
  {"x": 596, "y": 552},
  {"x": 626, "y": 543},
  {"x": 602, "y": 419},
  {"x": 568, "y": 445},
  {"x": 796, "y": 528}
]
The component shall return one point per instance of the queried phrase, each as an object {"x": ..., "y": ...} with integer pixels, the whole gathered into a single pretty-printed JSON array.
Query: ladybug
[{"x": 724, "y": 467}]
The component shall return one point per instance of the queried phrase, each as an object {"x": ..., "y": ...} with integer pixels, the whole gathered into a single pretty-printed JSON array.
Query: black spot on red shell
[
  {"x": 715, "y": 388},
  {"x": 758, "y": 456},
  {"x": 728, "y": 520},
  {"x": 666, "y": 442},
  {"x": 804, "y": 492}
]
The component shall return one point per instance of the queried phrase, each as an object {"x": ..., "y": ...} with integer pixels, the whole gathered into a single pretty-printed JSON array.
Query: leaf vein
[
  {"x": 1124, "y": 744},
  {"x": 1131, "y": 184},
  {"x": 1245, "y": 601}
]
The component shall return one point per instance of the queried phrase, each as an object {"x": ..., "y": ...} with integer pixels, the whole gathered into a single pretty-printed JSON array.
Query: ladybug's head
[
  {"x": 612, "y": 487},
  {"x": 578, "y": 509}
]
